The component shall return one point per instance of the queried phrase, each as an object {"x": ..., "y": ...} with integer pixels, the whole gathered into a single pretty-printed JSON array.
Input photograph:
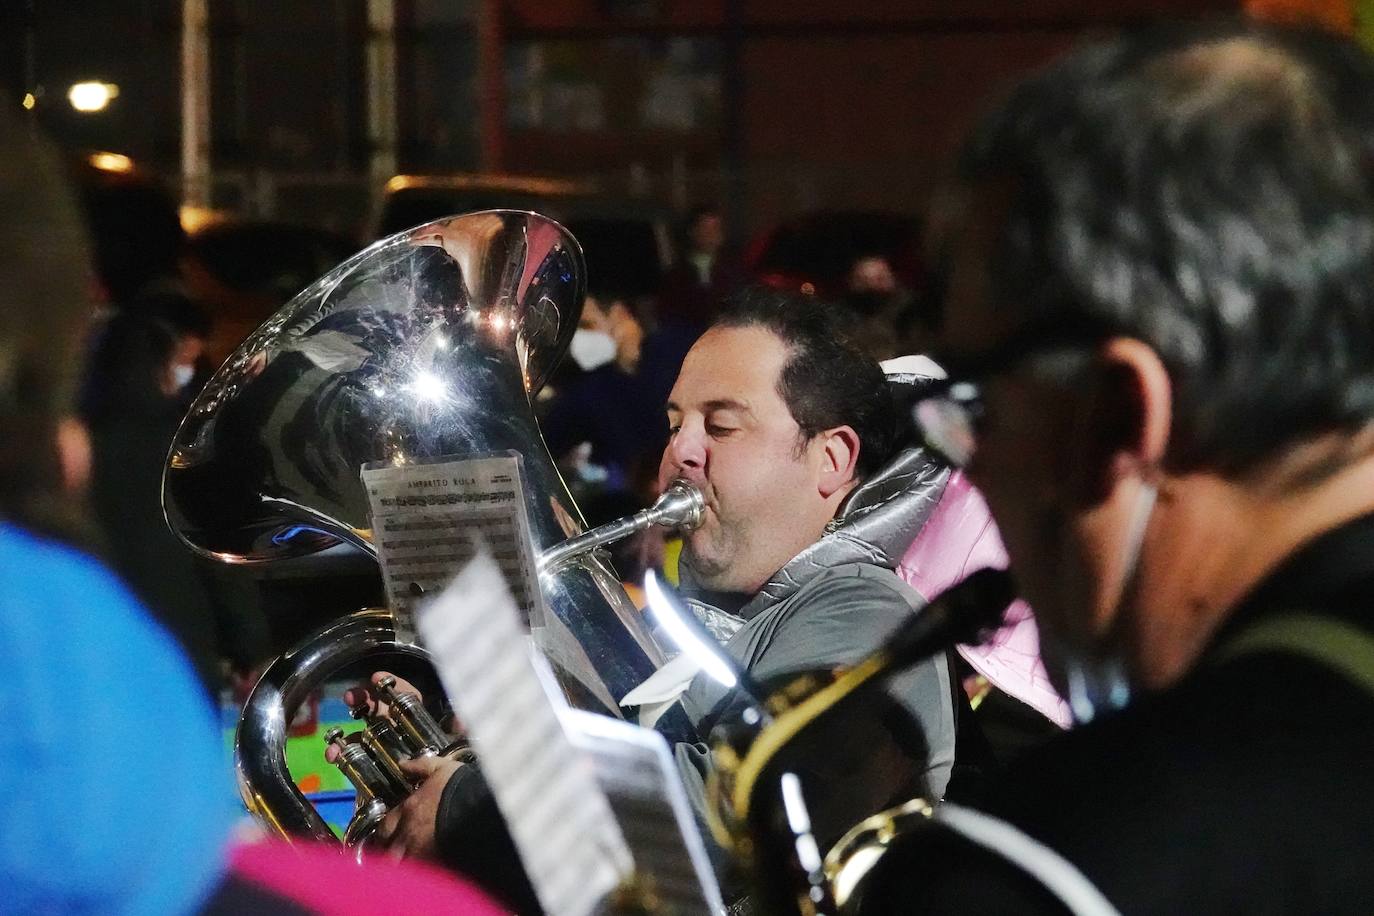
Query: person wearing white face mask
[
  {"x": 139, "y": 380},
  {"x": 600, "y": 421}
]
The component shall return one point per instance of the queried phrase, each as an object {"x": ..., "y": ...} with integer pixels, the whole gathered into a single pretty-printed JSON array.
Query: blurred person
[
  {"x": 1160, "y": 339},
  {"x": 1011, "y": 698},
  {"x": 600, "y": 421},
  {"x": 778, "y": 419},
  {"x": 1008, "y": 686},
  {"x": 879, "y": 309},
  {"x": 705, "y": 274},
  {"x": 120, "y": 830},
  {"x": 132, "y": 403},
  {"x": 135, "y": 231},
  {"x": 118, "y": 797},
  {"x": 871, "y": 273},
  {"x": 145, "y": 365}
]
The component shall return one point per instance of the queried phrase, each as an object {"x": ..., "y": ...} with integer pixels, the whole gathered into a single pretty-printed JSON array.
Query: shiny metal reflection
[
  {"x": 680, "y": 507},
  {"x": 428, "y": 344}
]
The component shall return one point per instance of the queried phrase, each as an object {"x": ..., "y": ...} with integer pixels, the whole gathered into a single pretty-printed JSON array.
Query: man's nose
[{"x": 686, "y": 454}]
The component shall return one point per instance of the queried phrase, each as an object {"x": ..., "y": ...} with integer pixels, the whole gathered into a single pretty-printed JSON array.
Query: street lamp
[{"x": 91, "y": 96}]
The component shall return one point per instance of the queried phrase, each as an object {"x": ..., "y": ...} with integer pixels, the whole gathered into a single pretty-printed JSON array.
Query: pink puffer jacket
[{"x": 960, "y": 537}]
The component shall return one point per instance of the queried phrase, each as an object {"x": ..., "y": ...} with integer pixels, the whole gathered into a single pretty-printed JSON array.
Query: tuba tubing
[
  {"x": 431, "y": 344},
  {"x": 680, "y": 506},
  {"x": 260, "y": 745}
]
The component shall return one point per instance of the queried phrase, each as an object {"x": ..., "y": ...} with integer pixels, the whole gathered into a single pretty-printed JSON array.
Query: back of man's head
[
  {"x": 1206, "y": 191},
  {"x": 136, "y": 231},
  {"x": 827, "y": 381},
  {"x": 45, "y": 281}
]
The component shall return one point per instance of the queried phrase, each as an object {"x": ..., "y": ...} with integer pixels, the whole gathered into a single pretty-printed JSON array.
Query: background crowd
[{"x": 1170, "y": 377}]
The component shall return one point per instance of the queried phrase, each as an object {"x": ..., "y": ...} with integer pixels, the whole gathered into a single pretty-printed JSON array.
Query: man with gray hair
[{"x": 1159, "y": 330}]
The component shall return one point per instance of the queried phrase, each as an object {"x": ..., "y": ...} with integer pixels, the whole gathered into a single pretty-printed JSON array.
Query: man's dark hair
[
  {"x": 135, "y": 229},
  {"x": 1206, "y": 190},
  {"x": 827, "y": 380}
]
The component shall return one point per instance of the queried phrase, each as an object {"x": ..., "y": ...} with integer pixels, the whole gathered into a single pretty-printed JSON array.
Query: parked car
[
  {"x": 626, "y": 241},
  {"x": 244, "y": 270},
  {"x": 818, "y": 248}
]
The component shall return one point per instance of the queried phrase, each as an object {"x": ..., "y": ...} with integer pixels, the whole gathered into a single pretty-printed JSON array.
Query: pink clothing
[
  {"x": 323, "y": 880},
  {"x": 960, "y": 537}
]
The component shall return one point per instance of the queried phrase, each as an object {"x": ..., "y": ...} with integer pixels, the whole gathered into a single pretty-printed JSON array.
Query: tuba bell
[{"x": 266, "y": 465}]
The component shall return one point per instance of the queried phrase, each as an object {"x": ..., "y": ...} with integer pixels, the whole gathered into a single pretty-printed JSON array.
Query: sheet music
[
  {"x": 561, "y": 821},
  {"x": 636, "y": 769},
  {"x": 424, "y": 519}
]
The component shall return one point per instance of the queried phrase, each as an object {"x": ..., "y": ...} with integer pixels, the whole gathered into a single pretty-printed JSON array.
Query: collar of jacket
[{"x": 875, "y": 525}]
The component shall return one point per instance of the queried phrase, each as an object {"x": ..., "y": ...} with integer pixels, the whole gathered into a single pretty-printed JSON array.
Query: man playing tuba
[{"x": 777, "y": 419}]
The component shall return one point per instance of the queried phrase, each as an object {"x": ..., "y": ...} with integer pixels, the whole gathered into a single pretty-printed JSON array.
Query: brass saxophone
[{"x": 756, "y": 807}]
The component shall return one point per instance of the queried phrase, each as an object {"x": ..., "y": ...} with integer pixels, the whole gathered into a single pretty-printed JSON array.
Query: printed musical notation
[
  {"x": 636, "y": 770},
  {"x": 428, "y": 518},
  {"x": 562, "y": 823}
]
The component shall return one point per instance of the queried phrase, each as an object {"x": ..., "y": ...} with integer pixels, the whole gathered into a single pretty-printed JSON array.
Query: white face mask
[
  {"x": 182, "y": 375},
  {"x": 592, "y": 349}
]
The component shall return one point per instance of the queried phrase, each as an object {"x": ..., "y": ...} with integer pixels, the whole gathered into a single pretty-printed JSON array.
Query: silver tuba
[{"x": 265, "y": 467}]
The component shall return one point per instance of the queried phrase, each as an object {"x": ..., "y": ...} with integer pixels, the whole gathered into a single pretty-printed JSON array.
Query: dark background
[{"x": 773, "y": 106}]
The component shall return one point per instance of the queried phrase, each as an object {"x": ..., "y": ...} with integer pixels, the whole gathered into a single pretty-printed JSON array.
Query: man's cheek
[
  {"x": 1054, "y": 656},
  {"x": 1023, "y": 541},
  {"x": 665, "y": 472}
]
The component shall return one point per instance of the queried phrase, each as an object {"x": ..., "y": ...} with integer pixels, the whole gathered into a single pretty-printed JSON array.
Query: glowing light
[
  {"x": 808, "y": 853},
  {"x": 429, "y": 386},
  {"x": 666, "y": 613},
  {"x": 440, "y": 342},
  {"x": 797, "y": 816},
  {"x": 379, "y": 392},
  {"x": 111, "y": 162},
  {"x": 92, "y": 95},
  {"x": 498, "y": 322},
  {"x": 30, "y": 100},
  {"x": 194, "y": 218}
]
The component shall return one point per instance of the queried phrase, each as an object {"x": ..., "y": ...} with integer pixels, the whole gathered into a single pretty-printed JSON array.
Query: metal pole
[
  {"x": 733, "y": 141},
  {"x": 491, "y": 94},
  {"x": 195, "y": 102},
  {"x": 381, "y": 92},
  {"x": 30, "y": 76}
]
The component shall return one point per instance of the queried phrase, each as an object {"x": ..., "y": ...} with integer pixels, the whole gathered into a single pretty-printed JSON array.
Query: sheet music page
[
  {"x": 424, "y": 517},
  {"x": 547, "y": 789},
  {"x": 636, "y": 770}
]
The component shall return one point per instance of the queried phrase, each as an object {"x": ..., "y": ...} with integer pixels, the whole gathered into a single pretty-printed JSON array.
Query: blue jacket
[{"x": 115, "y": 781}]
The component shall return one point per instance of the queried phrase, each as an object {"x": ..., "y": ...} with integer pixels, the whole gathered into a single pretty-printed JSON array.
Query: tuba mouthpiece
[{"x": 681, "y": 506}]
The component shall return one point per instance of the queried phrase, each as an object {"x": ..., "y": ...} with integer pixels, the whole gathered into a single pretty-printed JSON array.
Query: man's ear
[
  {"x": 839, "y": 459},
  {"x": 1130, "y": 413}
]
